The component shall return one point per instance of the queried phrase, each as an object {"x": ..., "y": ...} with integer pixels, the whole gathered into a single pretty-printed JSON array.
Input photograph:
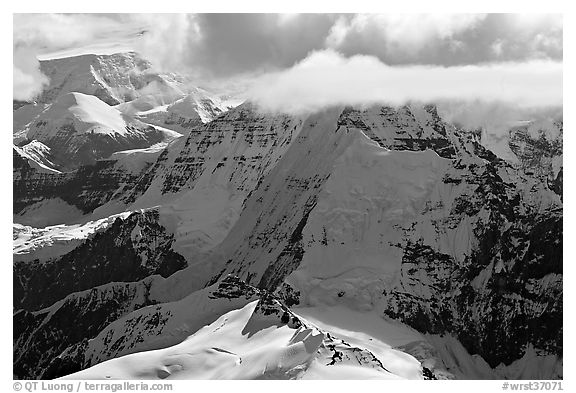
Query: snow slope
[
  {"x": 80, "y": 128},
  {"x": 201, "y": 181},
  {"x": 38, "y": 155},
  {"x": 195, "y": 108},
  {"x": 351, "y": 232},
  {"x": 113, "y": 78},
  {"x": 31, "y": 243},
  {"x": 227, "y": 349},
  {"x": 87, "y": 114},
  {"x": 258, "y": 340}
]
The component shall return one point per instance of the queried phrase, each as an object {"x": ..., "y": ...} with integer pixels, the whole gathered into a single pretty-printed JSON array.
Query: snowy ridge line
[
  {"x": 387, "y": 211},
  {"x": 322, "y": 349},
  {"x": 128, "y": 249}
]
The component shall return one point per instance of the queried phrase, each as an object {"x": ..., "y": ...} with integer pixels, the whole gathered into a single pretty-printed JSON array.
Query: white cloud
[
  {"x": 497, "y": 47},
  {"x": 403, "y": 33},
  {"x": 167, "y": 40},
  {"x": 54, "y": 31},
  {"x": 28, "y": 81},
  {"x": 326, "y": 78},
  {"x": 530, "y": 23},
  {"x": 495, "y": 117},
  {"x": 210, "y": 47}
]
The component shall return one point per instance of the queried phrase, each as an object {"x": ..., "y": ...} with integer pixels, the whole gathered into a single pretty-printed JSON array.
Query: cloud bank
[
  {"x": 227, "y": 45},
  {"x": 238, "y": 49},
  {"x": 28, "y": 80},
  {"x": 327, "y": 78},
  {"x": 449, "y": 39}
]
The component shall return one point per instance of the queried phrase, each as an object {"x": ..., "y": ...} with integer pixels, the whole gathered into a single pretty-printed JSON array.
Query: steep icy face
[
  {"x": 126, "y": 249},
  {"x": 534, "y": 146},
  {"x": 203, "y": 180},
  {"x": 240, "y": 147},
  {"x": 500, "y": 299},
  {"x": 267, "y": 232},
  {"x": 407, "y": 128},
  {"x": 463, "y": 264},
  {"x": 37, "y": 192},
  {"x": 538, "y": 146},
  {"x": 444, "y": 216},
  {"x": 349, "y": 238},
  {"x": 38, "y": 156},
  {"x": 267, "y": 244}
]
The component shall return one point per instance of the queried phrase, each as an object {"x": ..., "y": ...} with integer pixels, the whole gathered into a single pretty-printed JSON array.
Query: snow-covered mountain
[
  {"x": 96, "y": 105},
  {"x": 79, "y": 129},
  {"x": 114, "y": 249},
  {"x": 194, "y": 109},
  {"x": 367, "y": 243},
  {"x": 37, "y": 155},
  {"x": 114, "y": 78},
  {"x": 248, "y": 334}
]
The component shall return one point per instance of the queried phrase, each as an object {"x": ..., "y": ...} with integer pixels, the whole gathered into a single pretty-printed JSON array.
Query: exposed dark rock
[
  {"x": 128, "y": 250},
  {"x": 40, "y": 337},
  {"x": 503, "y": 297}
]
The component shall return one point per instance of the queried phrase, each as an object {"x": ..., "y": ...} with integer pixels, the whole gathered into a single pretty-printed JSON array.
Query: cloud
[
  {"x": 402, "y": 35},
  {"x": 208, "y": 47},
  {"x": 494, "y": 117},
  {"x": 449, "y": 39},
  {"x": 215, "y": 49},
  {"x": 327, "y": 78},
  {"x": 56, "y": 31},
  {"x": 167, "y": 39},
  {"x": 213, "y": 46},
  {"x": 28, "y": 80},
  {"x": 223, "y": 46}
]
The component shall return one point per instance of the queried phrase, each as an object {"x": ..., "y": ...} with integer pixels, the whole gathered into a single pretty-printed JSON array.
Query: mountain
[
  {"x": 538, "y": 146},
  {"x": 38, "y": 156},
  {"x": 108, "y": 103},
  {"x": 119, "y": 249},
  {"x": 535, "y": 146},
  {"x": 113, "y": 79},
  {"x": 254, "y": 336},
  {"x": 194, "y": 109},
  {"x": 49, "y": 197},
  {"x": 361, "y": 243},
  {"x": 127, "y": 82},
  {"x": 79, "y": 129}
]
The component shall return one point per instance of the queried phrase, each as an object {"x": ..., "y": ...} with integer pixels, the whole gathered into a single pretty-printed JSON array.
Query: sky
[{"x": 298, "y": 62}]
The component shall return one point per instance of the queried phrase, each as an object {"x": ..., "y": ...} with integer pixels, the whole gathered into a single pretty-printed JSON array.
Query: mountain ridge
[{"x": 392, "y": 212}]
